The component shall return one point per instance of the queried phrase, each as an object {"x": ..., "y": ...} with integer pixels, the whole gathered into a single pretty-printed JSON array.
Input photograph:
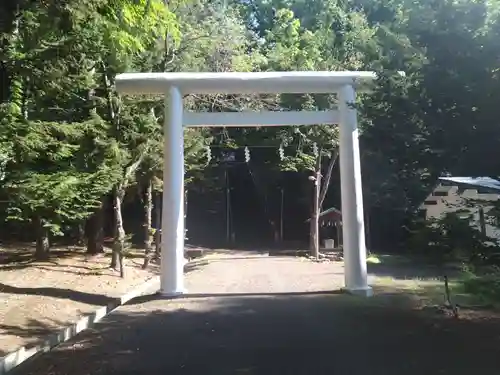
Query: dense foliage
[{"x": 70, "y": 146}]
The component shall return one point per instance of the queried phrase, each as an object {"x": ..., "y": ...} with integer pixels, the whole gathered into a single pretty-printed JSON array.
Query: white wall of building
[{"x": 437, "y": 204}]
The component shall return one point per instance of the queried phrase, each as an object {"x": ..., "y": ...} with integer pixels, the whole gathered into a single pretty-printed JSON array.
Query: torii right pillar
[{"x": 355, "y": 272}]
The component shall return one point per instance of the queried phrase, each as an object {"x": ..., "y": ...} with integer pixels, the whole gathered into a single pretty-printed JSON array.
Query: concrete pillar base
[
  {"x": 176, "y": 294},
  {"x": 363, "y": 292}
]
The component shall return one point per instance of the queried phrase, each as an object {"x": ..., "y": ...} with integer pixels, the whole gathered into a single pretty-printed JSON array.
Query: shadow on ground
[
  {"x": 61, "y": 293},
  {"x": 36, "y": 331},
  {"x": 12, "y": 258},
  {"x": 32, "y": 331},
  {"x": 23, "y": 256},
  {"x": 301, "y": 333}
]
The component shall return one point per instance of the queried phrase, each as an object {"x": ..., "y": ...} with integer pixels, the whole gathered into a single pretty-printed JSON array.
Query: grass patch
[
  {"x": 466, "y": 290},
  {"x": 394, "y": 259},
  {"x": 484, "y": 288},
  {"x": 431, "y": 291},
  {"x": 373, "y": 259},
  {"x": 425, "y": 291},
  {"x": 480, "y": 289}
]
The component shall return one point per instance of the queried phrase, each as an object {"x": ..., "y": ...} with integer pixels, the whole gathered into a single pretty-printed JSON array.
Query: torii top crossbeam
[{"x": 243, "y": 83}]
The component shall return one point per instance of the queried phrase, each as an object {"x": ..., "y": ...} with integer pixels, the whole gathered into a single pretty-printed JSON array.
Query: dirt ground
[
  {"x": 254, "y": 314},
  {"x": 38, "y": 297}
]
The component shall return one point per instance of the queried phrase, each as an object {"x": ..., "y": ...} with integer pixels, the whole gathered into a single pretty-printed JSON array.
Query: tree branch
[
  {"x": 131, "y": 168},
  {"x": 328, "y": 177}
]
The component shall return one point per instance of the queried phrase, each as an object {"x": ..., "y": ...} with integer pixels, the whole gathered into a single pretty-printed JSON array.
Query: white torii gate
[{"x": 175, "y": 85}]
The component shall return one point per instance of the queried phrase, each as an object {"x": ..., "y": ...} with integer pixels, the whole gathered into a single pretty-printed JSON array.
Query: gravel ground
[
  {"x": 257, "y": 273},
  {"x": 38, "y": 297},
  {"x": 262, "y": 315}
]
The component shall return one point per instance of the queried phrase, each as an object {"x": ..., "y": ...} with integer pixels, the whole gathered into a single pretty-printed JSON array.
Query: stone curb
[{"x": 15, "y": 358}]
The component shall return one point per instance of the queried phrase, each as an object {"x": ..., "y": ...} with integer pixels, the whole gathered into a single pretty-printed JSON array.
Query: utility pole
[
  {"x": 228, "y": 208},
  {"x": 316, "y": 179},
  {"x": 281, "y": 213}
]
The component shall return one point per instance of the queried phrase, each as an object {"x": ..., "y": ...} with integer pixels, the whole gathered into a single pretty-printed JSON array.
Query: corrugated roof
[
  {"x": 329, "y": 211},
  {"x": 484, "y": 182}
]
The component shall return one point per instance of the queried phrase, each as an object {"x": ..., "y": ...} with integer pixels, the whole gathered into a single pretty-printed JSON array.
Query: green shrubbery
[
  {"x": 483, "y": 284},
  {"x": 457, "y": 247}
]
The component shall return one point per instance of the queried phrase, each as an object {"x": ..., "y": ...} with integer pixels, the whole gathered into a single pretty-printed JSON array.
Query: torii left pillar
[{"x": 172, "y": 247}]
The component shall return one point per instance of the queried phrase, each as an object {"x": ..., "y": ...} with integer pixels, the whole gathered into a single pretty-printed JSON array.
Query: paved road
[{"x": 263, "y": 316}]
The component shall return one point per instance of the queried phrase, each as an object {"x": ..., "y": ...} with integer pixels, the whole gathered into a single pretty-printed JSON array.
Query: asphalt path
[{"x": 271, "y": 316}]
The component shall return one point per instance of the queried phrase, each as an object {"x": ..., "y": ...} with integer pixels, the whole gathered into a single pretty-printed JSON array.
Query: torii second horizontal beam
[{"x": 257, "y": 119}]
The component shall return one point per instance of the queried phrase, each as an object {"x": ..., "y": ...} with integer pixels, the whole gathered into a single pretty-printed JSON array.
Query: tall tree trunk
[
  {"x": 80, "y": 227},
  {"x": 95, "y": 231},
  {"x": 157, "y": 235},
  {"x": 228, "y": 207},
  {"x": 328, "y": 176},
  {"x": 148, "y": 218},
  {"x": 314, "y": 230},
  {"x": 42, "y": 239},
  {"x": 338, "y": 231},
  {"x": 186, "y": 196},
  {"x": 9, "y": 11},
  {"x": 368, "y": 228},
  {"x": 94, "y": 226},
  {"x": 317, "y": 202},
  {"x": 119, "y": 238},
  {"x": 282, "y": 210},
  {"x": 449, "y": 303},
  {"x": 482, "y": 222},
  {"x": 320, "y": 190}
]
